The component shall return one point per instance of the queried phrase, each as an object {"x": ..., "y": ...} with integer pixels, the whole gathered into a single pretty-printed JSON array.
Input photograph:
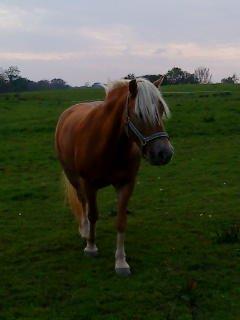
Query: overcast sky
[{"x": 92, "y": 40}]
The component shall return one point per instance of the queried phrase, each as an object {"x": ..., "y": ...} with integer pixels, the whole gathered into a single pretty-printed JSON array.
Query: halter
[{"x": 143, "y": 139}]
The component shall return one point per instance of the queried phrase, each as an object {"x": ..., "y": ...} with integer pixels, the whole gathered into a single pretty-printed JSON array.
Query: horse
[{"x": 101, "y": 143}]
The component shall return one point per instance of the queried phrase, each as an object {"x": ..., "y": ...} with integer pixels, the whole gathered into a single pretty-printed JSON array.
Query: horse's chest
[
  {"x": 115, "y": 172},
  {"x": 118, "y": 170},
  {"x": 114, "y": 167},
  {"x": 115, "y": 178}
]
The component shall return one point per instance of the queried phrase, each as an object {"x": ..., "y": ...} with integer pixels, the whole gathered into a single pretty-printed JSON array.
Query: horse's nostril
[
  {"x": 161, "y": 155},
  {"x": 165, "y": 156}
]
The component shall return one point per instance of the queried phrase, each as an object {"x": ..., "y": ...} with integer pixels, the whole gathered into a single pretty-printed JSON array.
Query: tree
[
  {"x": 12, "y": 73},
  {"x": 11, "y": 81},
  {"x": 43, "y": 84},
  {"x": 58, "y": 84},
  {"x": 203, "y": 75},
  {"x": 2, "y": 76},
  {"x": 177, "y": 75},
  {"x": 174, "y": 76},
  {"x": 3, "y": 80},
  {"x": 233, "y": 79},
  {"x": 20, "y": 84}
]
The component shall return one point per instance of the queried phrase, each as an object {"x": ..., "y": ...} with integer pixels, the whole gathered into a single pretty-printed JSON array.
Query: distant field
[{"x": 183, "y": 231}]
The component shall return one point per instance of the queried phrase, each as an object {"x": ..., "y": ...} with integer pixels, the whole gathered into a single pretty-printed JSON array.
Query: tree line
[
  {"x": 12, "y": 81},
  {"x": 176, "y": 75}
]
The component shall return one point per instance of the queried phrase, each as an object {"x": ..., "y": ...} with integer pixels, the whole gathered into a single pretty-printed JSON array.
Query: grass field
[{"x": 183, "y": 231}]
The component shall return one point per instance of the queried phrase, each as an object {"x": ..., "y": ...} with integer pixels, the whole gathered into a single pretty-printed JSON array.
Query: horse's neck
[
  {"x": 115, "y": 108},
  {"x": 114, "y": 116}
]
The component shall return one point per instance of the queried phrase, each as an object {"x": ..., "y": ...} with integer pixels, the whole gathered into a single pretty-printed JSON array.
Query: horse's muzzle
[{"x": 161, "y": 156}]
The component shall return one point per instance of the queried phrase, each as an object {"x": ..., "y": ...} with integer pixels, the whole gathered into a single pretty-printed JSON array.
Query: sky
[{"x": 97, "y": 41}]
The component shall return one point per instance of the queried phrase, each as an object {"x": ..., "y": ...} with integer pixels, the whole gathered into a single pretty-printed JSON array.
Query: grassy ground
[{"x": 183, "y": 252}]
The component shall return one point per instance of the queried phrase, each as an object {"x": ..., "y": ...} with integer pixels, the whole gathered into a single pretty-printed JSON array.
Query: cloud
[
  {"x": 196, "y": 51},
  {"x": 10, "y": 20},
  {"x": 49, "y": 26},
  {"x": 33, "y": 56},
  {"x": 109, "y": 45},
  {"x": 14, "y": 18},
  {"x": 77, "y": 39}
]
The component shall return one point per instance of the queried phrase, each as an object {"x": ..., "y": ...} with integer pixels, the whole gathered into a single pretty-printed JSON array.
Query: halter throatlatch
[{"x": 143, "y": 139}]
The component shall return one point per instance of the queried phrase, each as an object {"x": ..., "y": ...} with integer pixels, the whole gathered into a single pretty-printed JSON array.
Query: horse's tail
[
  {"x": 77, "y": 203},
  {"x": 72, "y": 199}
]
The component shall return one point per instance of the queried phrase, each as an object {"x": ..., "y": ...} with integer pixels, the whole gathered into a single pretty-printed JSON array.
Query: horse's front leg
[{"x": 124, "y": 193}]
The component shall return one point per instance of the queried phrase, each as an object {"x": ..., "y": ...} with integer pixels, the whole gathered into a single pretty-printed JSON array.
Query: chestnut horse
[{"x": 101, "y": 143}]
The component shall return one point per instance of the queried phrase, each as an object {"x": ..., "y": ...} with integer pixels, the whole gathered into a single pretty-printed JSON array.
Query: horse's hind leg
[
  {"x": 91, "y": 196},
  {"x": 124, "y": 193},
  {"x": 83, "y": 220}
]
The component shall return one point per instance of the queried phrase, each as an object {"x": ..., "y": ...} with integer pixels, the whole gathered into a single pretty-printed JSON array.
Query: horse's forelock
[{"x": 147, "y": 100}]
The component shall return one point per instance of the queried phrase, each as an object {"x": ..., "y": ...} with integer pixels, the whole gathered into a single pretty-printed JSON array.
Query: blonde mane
[{"x": 147, "y": 100}]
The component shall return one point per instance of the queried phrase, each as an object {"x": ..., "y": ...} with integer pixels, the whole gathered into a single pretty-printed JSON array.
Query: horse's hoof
[
  {"x": 125, "y": 272},
  {"x": 91, "y": 253}
]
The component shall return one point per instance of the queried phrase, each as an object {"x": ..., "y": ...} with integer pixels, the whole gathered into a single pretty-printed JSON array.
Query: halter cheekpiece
[{"x": 143, "y": 139}]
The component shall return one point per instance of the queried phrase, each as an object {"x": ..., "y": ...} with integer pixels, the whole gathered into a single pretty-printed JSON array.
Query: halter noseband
[{"x": 143, "y": 140}]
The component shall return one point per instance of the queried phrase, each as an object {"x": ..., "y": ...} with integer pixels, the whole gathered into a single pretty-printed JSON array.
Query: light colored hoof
[
  {"x": 124, "y": 272},
  {"x": 91, "y": 252}
]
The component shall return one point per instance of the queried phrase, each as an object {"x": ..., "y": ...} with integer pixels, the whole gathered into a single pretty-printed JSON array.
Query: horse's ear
[
  {"x": 158, "y": 82},
  {"x": 133, "y": 88}
]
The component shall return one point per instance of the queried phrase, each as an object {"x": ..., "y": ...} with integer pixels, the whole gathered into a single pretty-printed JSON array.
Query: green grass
[{"x": 180, "y": 268}]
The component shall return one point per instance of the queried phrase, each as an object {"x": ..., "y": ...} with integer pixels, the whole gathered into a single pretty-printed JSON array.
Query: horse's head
[{"x": 146, "y": 109}]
